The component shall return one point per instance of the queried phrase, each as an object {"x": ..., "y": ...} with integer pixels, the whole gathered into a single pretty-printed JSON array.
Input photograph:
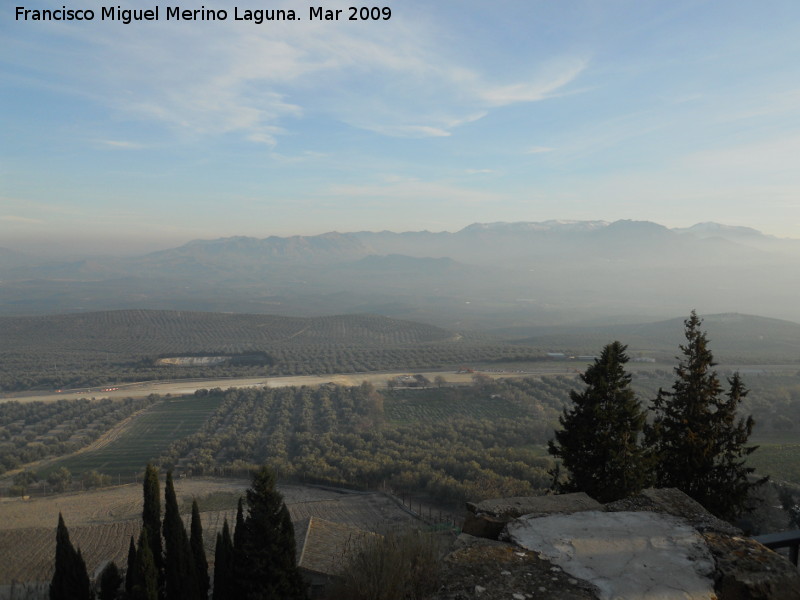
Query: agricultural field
[
  {"x": 116, "y": 347},
  {"x": 778, "y": 455},
  {"x": 101, "y": 522},
  {"x": 144, "y": 439},
  {"x": 441, "y": 405}
]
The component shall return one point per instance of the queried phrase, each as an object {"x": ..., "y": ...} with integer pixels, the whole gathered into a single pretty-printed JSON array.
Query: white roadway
[{"x": 180, "y": 387}]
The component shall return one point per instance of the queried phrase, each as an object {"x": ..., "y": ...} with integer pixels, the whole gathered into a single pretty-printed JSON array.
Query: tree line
[
  {"x": 256, "y": 562},
  {"x": 695, "y": 440}
]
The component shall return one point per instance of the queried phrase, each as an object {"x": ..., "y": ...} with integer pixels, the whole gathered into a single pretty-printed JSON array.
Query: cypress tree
[
  {"x": 695, "y": 435},
  {"x": 238, "y": 532},
  {"x": 223, "y": 565},
  {"x": 130, "y": 572},
  {"x": 179, "y": 572},
  {"x": 600, "y": 441},
  {"x": 70, "y": 580},
  {"x": 199, "y": 552},
  {"x": 151, "y": 517},
  {"x": 145, "y": 576},
  {"x": 110, "y": 581},
  {"x": 265, "y": 564}
]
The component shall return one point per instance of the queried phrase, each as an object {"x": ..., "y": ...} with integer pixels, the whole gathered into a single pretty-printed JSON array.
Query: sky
[{"x": 124, "y": 138}]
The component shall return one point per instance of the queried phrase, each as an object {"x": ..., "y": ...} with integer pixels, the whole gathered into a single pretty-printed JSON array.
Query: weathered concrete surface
[{"x": 625, "y": 555}]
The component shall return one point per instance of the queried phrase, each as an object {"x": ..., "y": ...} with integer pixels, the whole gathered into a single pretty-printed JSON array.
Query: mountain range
[{"x": 485, "y": 275}]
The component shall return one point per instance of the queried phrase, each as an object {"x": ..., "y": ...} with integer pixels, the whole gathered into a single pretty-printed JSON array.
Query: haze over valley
[{"x": 485, "y": 276}]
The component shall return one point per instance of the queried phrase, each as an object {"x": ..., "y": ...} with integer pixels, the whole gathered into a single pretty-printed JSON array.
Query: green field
[{"x": 148, "y": 436}]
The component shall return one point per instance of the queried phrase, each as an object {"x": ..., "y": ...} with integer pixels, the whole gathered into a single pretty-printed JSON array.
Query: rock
[
  {"x": 660, "y": 540},
  {"x": 484, "y": 526},
  {"x": 477, "y": 563},
  {"x": 674, "y": 502},
  {"x": 488, "y": 519},
  {"x": 746, "y": 570},
  {"x": 509, "y": 508}
]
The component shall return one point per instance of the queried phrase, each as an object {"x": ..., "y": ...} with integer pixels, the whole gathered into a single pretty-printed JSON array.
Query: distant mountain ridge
[{"x": 484, "y": 275}]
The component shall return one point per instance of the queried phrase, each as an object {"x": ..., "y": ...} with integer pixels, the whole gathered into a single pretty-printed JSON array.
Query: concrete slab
[{"x": 626, "y": 555}]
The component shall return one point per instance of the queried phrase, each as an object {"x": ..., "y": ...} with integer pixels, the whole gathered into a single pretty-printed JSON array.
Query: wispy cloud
[
  {"x": 396, "y": 78},
  {"x": 538, "y": 150},
  {"x": 121, "y": 144},
  {"x": 553, "y": 78},
  {"x": 18, "y": 219}
]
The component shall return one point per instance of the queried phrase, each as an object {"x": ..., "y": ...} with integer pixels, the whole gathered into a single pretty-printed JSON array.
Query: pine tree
[
  {"x": 223, "y": 565},
  {"x": 70, "y": 580},
  {"x": 179, "y": 572},
  {"x": 599, "y": 443},
  {"x": 198, "y": 552},
  {"x": 695, "y": 435},
  {"x": 110, "y": 581},
  {"x": 151, "y": 517},
  {"x": 265, "y": 566}
]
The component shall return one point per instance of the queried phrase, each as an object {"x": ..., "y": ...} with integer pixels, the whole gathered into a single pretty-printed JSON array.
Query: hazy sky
[{"x": 451, "y": 112}]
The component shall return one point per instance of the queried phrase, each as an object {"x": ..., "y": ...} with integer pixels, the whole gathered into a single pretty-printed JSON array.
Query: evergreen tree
[
  {"x": 70, "y": 580},
  {"x": 151, "y": 517},
  {"x": 110, "y": 581},
  {"x": 238, "y": 532},
  {"x": 695, "y": 435},
  {"x": 599, "y": 443},
  {"x": 144, "y": 578},
  {"x": 130, "y": 572},
  {"x": 179, "y": 572},
  {"x": 265, "y": 566},
  {"x": 223, "y": 565},
  {"x": 198, "y": 551}
]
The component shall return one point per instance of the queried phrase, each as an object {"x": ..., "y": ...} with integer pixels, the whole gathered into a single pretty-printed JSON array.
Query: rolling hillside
[{"x": 733, "y": 338}]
